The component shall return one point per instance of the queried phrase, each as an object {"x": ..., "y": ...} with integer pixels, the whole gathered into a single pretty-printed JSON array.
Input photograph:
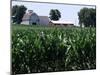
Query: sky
[{"x": 69, "y": 12}]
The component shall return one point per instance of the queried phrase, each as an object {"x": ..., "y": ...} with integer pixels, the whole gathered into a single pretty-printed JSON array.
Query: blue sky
[{"x": 68, "y": 12}]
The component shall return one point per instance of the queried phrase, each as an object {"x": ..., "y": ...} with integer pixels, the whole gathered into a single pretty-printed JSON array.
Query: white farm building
[{"x": 32, "y": 18}]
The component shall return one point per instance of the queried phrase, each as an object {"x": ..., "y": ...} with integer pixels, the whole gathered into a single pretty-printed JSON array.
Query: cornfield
[{"x": 49, "y": 49}]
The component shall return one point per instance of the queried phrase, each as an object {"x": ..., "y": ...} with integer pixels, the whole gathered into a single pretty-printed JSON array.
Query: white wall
[{"x": 25, "y": 22}]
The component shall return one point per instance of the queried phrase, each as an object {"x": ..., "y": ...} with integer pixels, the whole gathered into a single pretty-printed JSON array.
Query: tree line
[{"x": 86, "y": 16}]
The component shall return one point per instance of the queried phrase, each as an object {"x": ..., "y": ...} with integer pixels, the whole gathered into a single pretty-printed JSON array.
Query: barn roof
[
  {"x": 62, "y": 22},
  {"x": 27, "y": 17}
]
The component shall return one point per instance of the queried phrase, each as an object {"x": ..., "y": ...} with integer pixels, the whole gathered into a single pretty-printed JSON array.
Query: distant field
[
  {"x": 15, "y": 26},
  {"x": 51, "y": 48}
]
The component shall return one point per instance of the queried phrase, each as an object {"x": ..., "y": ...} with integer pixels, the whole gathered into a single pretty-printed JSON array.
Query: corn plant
[{"x": 49, "y": 49}]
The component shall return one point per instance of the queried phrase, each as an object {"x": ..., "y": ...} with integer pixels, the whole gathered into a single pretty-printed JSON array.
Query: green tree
[
  {"x": 87, "y": 17},
  {"x": 14, "y": 10},
  {"x": 18, "y": 13},
  {"x": 55, "y": 14}
]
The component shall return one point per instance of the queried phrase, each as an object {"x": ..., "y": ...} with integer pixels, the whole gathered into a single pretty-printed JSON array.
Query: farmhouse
[{"x": 31, "y": 18}]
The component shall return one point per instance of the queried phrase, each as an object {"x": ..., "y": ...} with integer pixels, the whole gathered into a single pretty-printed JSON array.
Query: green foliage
[
  {"x": 87, "y": 17},
  {"x": 18, "y": 13},
  {"x": 55, "y": 14},
  {"x": 14, "y": 10},
  {"x": 48, "y": 49}
]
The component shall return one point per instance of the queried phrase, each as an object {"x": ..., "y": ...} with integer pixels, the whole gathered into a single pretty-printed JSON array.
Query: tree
[
  {"x": 18, "y": 13},
  {"x": 55, "y": 14},
  {"x": 87, "y": 17},
  {"x": 14, "y": 10}
]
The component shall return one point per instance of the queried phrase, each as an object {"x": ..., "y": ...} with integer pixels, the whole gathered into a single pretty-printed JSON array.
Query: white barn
[{"x": 32, "y": 18}]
